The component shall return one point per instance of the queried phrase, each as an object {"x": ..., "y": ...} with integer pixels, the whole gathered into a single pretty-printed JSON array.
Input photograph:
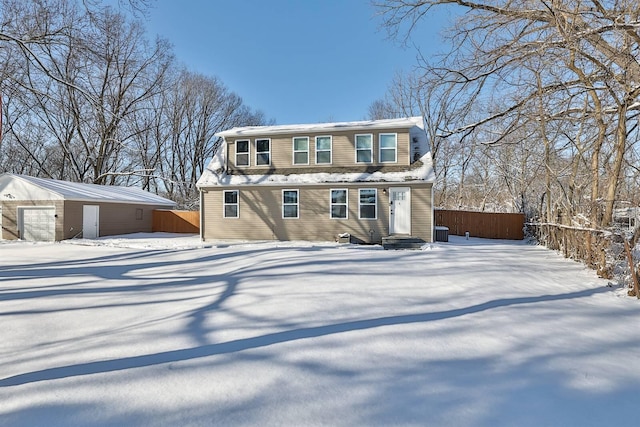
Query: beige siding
[
  {"x": 261, "y": 214},
  {"x": 114, "y": 218},
  {"x": 9, "y": 221},
  {"x": 343, "y": 152},
  {"x": 73, "y": 220},
  {"x": 422, "y": 211}
]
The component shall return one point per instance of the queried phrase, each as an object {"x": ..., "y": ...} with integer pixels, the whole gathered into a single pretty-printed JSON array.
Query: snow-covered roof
[
  {"x": 215, "y": 173},
  {"x": 53, "y": 189},
  {"x": 407, "y": 122}
]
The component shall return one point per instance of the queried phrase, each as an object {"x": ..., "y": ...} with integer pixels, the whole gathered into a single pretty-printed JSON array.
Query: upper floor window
[
  {"x": 242, "y": 153},
  {"x": 263, "y": 151},
  {"x": 301, "y": 150},
  {"x": 230, "y": 204},
  {"x": 388, "y": 148},
  {"x": 290, "y": 204},
  {"x": 364, "y": 148},
  {"x": 368, "y": 199},
  {"x": 339, "y": 204},
  {"x": 323, "y": 149}
]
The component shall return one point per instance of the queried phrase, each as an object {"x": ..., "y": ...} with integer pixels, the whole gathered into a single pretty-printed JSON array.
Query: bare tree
[
  {"x": 577, "y": 60},
  {"x": 197, "y": 107},
  {"x": 81, "y": 75},
  {"x": 381, "y": 109},
  {"x": 89, "y": 98}
]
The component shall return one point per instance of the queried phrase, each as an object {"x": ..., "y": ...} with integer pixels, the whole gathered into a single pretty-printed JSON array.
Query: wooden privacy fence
[
  {"x": 488, "y": 225},
  {"x": 170, "y": 221}
]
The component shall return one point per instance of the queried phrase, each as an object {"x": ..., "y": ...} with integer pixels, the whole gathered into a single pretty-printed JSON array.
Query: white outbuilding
[{"x": 40, "y": 209}]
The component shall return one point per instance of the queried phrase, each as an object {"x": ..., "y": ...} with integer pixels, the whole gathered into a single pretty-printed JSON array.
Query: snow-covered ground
[{"x": 161, "y": 330}]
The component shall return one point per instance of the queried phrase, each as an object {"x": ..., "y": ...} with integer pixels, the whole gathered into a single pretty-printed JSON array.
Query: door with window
[
  {"x": 90, "y": 221},
  {"x": 400, "y": 210}
]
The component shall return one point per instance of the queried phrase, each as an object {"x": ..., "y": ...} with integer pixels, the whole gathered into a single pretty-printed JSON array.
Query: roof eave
[{"x": 406, "y": 123}]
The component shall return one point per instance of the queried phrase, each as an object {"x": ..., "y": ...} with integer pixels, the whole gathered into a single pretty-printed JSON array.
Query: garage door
[{"x": 37, "y": 224}]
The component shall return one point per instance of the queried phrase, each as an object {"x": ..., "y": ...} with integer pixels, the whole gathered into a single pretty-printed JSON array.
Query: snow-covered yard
[{"x": 159, "y": 330}]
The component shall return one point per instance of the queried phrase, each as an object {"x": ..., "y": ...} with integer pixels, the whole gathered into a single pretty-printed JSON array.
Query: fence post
[{"x": 632, "y": 270}]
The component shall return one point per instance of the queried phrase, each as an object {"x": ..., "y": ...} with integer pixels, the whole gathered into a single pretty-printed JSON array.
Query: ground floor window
[
  {"x": 339, "y": 204},
  {"x": 231, "y": 206},
  {"x": 290, "y": 204},
  {"x": 368, "y": 201}
]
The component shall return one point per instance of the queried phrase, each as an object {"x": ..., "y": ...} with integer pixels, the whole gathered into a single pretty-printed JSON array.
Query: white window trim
[
  {"x": 330, "y": 150},
  {"x": 293, "y": 146},
  {"x": 380, "y": 148},
  {"x": 346, "y": 203},
  {"x": 375, "y": 205},
  {"x": 262, "y": 152},
  {"x": 225, "y": 204},
  {"x": 355, "y": 143},
  {"x": 248, "y": 153},
  {"x": 291, "y": 204}
]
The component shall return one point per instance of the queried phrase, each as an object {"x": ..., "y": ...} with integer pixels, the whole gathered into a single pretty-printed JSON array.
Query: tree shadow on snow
[{"x": 239, "y": 345}]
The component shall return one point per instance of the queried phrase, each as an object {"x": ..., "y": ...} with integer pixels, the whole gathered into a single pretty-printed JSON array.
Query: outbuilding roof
[{"x": 65, "y": 190}]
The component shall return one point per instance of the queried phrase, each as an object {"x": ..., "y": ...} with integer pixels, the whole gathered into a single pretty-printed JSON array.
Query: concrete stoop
[{"x": 402, "y": 242}]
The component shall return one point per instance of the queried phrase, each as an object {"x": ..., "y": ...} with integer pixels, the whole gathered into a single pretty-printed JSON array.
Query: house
[
  {"x": 627, "y": 217},
  {"x": 367, "y": 180},
  {"x": 42, "y": 209}
]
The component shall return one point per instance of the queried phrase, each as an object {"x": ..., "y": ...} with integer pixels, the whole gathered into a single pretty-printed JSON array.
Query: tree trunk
[{"x": 620, "y": 150}]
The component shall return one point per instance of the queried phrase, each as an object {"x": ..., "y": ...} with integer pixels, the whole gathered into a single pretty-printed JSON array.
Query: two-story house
[{"x": 366, "y": 179}]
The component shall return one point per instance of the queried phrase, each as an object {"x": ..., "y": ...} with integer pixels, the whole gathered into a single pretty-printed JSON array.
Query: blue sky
[{"x": 299, "y": 61}]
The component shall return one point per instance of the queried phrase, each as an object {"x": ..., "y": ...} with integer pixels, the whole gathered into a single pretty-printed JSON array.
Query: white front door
[
  {"x": 37, "y": 224},
  {"x": 400, "y": 210},
  {"x": 90, "y": 221}
]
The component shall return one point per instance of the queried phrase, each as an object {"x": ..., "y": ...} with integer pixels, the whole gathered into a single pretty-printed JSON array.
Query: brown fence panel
[
  {"x": 169, "y": 221},
  {"x": 488, "y": 225}
]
